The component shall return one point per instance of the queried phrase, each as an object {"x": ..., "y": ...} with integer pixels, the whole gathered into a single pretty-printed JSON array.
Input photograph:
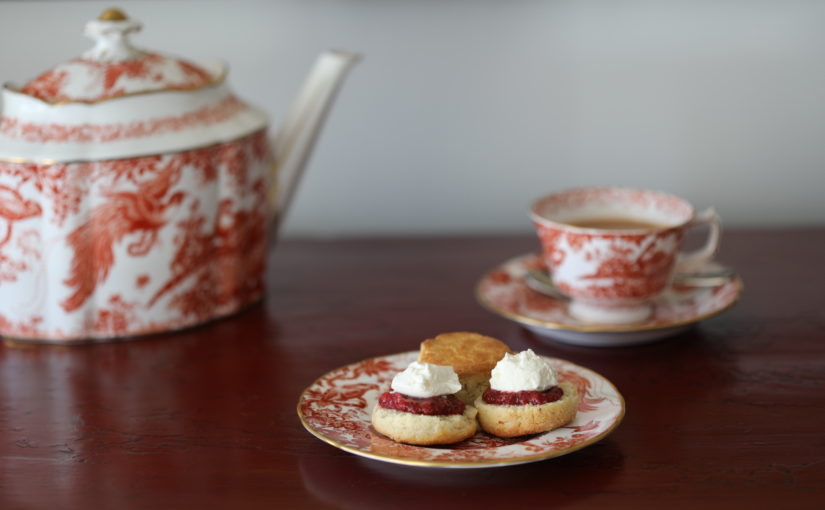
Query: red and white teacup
[{"x": 613, "y": 250}]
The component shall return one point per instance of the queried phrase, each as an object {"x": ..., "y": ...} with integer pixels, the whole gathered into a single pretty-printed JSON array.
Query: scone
[
  {"x": 422, "y": 409},
  {"x": 471, "y": 355},
  {"x": 425, "y": 430},
  {"x": 520, "y": 420},
  {"x": 525, "y": 398}
]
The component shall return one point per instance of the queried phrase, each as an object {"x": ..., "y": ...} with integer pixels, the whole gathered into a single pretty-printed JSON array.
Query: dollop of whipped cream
[
  {"x": 524, "y": 371},
  {"x": 426, "y": 380}
]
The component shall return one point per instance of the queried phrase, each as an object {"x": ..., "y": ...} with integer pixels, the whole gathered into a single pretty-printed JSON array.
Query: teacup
[{"x": 613, "y": 250}]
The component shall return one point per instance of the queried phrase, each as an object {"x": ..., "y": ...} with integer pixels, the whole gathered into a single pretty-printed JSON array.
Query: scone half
[
  {"x": 421, "y": 429},
  {"x": 520, "y": 420}
]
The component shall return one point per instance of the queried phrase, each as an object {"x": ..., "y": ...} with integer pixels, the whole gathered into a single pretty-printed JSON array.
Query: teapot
[{"x": 137, "y": 191}]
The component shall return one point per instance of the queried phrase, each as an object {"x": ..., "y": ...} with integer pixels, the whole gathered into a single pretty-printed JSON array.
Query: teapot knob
[
  {"x": 110, "y": 32},
  {"x": 113, "y": 14}
]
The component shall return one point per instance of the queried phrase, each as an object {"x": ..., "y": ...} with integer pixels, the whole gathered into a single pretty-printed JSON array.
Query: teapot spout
[{"x": 299, "y": 131}]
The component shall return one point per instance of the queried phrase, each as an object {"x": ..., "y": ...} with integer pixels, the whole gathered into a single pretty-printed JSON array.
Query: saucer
[{"x": 505, "y": 292}]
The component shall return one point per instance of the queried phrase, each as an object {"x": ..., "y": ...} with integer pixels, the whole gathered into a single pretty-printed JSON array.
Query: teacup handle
[{"x": 690, "y": 261}]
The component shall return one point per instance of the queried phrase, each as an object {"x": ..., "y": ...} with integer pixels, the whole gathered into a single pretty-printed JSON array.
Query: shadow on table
[{"x": 351, "y": 482}]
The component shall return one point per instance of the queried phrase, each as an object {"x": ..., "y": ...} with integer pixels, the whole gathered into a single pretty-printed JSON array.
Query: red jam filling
[
  {"x": 521, "y": 398},
  {"x": 431, "y": 406}
]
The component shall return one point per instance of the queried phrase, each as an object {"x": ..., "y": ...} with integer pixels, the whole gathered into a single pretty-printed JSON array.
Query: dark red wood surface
[{"x": 730, "y": 413}]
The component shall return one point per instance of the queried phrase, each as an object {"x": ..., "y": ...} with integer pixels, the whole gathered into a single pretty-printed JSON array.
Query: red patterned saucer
[
  {"x": 336, "y": 408},
  {"x": 504, "y": 291}
]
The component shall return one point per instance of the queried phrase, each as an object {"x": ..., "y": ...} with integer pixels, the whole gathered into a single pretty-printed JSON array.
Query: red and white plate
[
  {"x": 336, "y": 408},
  {"x": 505, "y": 292}
]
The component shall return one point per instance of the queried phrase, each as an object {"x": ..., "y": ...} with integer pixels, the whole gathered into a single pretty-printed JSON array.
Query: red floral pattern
[
  {"x": 234, "y": 244},
  {"x": 33, "y": 132},
  {"x": 512, "y": 297},
  {"x": 610, "y": 267},
  {"x": 14, "y": 207},
  {"x": 135, "y": 214},
  {"x": 627, "y": 266},
  {"x": 29, "y": 328},
  {"x": 115, "y": 319},
  {"x": 49, "y": 85},
  {"x": 587, "y": 400},
  {"x": 338, "y": 406},
  {"x": 150, "y": 71},
  {"x": 139, "y": 221}
]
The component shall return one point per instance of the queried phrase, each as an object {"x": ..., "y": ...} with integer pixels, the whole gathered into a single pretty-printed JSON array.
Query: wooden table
[{"x": 731, "y": 412}]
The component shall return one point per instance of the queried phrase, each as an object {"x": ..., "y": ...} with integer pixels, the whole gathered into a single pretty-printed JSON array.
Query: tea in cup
[{"x": 613, "y": 250}]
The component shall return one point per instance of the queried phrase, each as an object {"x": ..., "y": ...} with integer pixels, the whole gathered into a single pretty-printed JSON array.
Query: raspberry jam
[
  {"x": 431, "y": 406},
  {"x": 521, "y": 398}
]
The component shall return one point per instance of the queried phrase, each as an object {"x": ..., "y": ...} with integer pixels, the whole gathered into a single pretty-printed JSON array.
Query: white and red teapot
[{"x": 137, "y": 191}]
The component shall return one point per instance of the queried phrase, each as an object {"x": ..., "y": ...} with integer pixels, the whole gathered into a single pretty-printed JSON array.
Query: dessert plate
[
  {"x": 336, "y": 408},
  {"x": 505, "y": 292}
]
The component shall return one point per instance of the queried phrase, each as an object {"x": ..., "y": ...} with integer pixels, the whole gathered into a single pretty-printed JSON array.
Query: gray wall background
[{"x": 464, "y": 112}]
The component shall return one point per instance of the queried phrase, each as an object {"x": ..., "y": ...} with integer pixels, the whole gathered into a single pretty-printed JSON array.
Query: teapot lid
[
  {"x": 115, "y": 68},
  {"x": 117, "y": 101}
]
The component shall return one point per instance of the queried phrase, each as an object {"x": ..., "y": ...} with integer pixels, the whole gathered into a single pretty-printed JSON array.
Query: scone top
[{"x": 468, "y": 353}]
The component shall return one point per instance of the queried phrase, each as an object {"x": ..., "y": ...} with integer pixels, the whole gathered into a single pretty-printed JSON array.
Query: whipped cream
[
  {"x": 426, "y": 380},
  {"x": 524, "y": 371}
]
